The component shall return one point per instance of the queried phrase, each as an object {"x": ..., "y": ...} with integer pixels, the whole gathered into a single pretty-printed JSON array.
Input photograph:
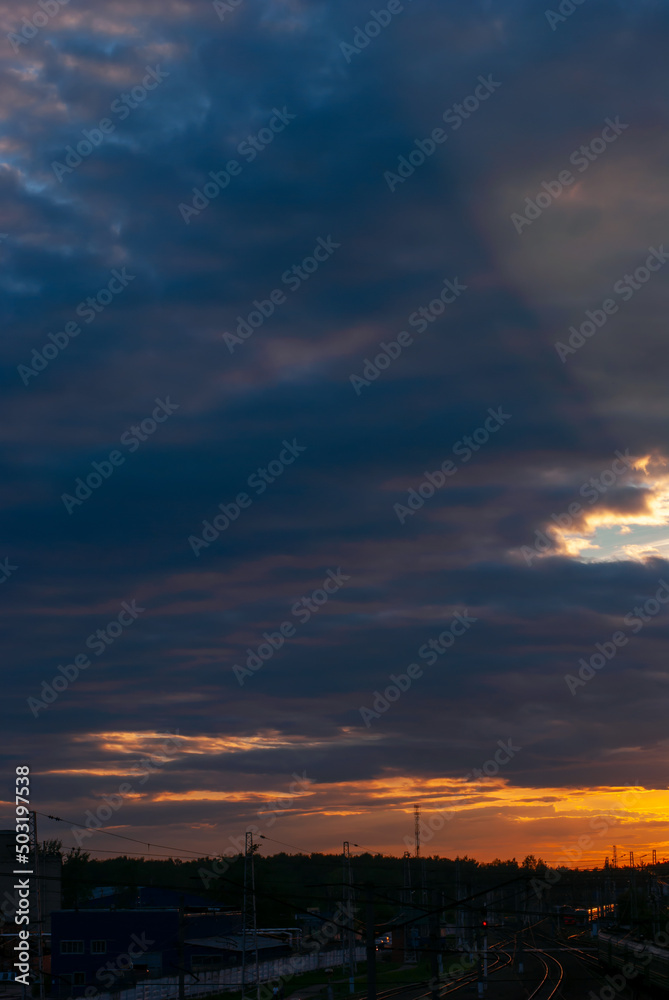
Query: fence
[{"x": 230, "y": 979}]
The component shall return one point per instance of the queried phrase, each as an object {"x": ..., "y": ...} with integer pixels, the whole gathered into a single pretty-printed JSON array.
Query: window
[
  {"x": 98, "y": 947},
  {"x": 78, "y": 978},
  {"x": 71, "y": 947}
]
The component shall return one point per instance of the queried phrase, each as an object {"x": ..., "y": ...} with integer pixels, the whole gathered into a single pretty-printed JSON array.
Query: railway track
[
  {"x": 552, "y": 977},
  {"x": 411, "y": 991}
]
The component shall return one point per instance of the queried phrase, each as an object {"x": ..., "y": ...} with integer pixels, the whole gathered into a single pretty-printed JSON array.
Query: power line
[{"x": 120, "y": 836}]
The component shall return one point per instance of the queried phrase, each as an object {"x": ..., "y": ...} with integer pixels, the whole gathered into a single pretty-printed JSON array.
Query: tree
[{"x": 51, "y": 848}]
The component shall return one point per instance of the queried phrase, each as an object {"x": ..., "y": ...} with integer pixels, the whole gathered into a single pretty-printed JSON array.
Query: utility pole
[
  {"x": 479, "y": 963},
  {"x": 458, "y": 908},
  {"x": 615, "y": 857},
  {"x": 34, "y": 850},
  {"x": 485, "y": 945},
  {"x": 434, "y": 946},
  {"x": 180, "y": 949},
  {"x": 420, "y": 862},
  {"x": 249, "y": 924},
  {"x": 409, "y": 950},
  {"x": 348, "y": 939},
  {"x": 371, "y": 943}
]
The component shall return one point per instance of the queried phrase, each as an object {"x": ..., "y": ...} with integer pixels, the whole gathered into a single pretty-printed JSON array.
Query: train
[
  {"x": 566, "y": 915},
  {"x": 634, "y": 959},
  {"x": 581, "y": 916}
]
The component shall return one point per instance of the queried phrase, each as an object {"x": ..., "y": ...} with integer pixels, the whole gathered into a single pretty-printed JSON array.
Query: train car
[
  {"x": 581, "y": 917},
  {"x": 604, "y": 912},
  {"x": 635, "y": 960},
  {"x": 565, "y": 915}
]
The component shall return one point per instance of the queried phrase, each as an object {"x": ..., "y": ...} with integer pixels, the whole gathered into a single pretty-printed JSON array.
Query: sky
[{"x": 329, "y": 331}]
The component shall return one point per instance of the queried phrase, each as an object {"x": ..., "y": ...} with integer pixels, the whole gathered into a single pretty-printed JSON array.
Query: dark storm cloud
[{"x": 322, "y": 176}]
